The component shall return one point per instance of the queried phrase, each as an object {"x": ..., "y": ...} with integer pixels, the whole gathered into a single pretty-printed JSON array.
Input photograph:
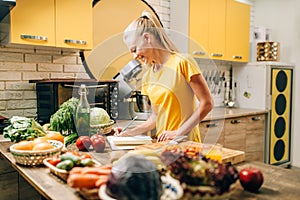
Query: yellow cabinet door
[
  {"x": 216, "y": 27},
  {"x": 74, "y": 24},
  {"x": 207, "y": 28},
  {"x": 198, "y": 27},
  {"x": 237, "y": 31},
  {"x": 33, "y": 22}
]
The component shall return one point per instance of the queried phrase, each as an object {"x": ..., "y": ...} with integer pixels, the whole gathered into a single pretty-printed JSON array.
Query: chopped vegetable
[{"x": 23, "y": 128}]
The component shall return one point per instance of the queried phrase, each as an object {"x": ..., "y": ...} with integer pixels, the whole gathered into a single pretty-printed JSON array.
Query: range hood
[{"x": 5, "y": 7}]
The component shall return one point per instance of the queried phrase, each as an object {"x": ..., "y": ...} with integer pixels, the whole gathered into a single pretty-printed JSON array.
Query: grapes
[{"x": 197, "y": 170}]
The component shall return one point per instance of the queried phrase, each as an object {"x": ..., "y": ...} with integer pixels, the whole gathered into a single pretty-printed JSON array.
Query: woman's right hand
[{"x": 119, "y": 133}]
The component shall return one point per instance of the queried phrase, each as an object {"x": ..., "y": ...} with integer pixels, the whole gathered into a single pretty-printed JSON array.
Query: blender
[{"x": 131, "y": 103}]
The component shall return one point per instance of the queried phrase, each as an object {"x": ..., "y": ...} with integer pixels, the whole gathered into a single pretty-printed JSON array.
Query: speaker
[{"x": 281, "y": 105}]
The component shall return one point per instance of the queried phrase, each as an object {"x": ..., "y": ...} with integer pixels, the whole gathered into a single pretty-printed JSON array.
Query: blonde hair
[{"x": 148, "y": 23}]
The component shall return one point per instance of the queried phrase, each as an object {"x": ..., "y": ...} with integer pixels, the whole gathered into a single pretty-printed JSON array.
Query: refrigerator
[{"x": 269, "y": 86}]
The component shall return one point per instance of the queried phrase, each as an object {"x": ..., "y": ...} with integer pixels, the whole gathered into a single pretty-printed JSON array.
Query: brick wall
[{"x": 19, "y": 64}]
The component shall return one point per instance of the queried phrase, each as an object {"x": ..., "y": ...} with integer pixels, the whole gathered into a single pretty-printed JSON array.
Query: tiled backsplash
[{"x": 217, "y": 76}]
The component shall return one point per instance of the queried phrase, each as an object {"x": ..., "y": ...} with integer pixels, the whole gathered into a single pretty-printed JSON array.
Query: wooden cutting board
[{"x": 228, "y": 155}]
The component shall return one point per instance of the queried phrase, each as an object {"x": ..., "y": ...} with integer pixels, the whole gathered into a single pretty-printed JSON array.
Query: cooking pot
[{"x": 142, "y": 102}]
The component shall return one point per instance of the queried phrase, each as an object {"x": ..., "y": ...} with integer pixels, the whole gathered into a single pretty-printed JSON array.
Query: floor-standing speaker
[{"x": 281, "y": 107}]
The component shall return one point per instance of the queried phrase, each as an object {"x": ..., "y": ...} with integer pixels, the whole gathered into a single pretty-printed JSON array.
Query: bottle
[{"x": 83, "y": 113}]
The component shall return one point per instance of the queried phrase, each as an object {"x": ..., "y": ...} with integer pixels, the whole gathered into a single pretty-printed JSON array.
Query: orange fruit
[
  {"x": 24, "y": 145},
  {"x": 54, "y": 135},
  {"x": 43, "y": 146},
  {"x": 40, "y": 139}
]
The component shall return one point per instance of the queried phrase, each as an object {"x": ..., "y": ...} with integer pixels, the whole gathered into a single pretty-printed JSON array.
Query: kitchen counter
[
  {"x": 224, "y": 113},
  {"x": 279, "y": 183},
  {"x": 217, "y": 113}
]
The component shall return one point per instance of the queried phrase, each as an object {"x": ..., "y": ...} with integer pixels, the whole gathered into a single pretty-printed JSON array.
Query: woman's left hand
[{"x": 167, "y": 135}]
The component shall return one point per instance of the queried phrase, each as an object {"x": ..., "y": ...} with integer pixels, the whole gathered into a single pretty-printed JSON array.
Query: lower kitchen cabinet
[
  {"x": 13, "y": 186},
  {"x": 255, "y": 137},
  {"x": 212, "y": 131},
  {"x": 245, "y": 133}
]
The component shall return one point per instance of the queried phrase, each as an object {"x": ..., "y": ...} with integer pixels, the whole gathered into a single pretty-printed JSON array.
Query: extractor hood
[{"x": 5, "y": 7}]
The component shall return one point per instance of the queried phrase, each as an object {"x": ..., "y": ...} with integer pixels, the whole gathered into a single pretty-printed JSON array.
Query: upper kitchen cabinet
[
  {"x": 198, "y": 27},
  {"x": 74, "y": 22},
  {"x": 207, "y": 28},
  {"x": 219, "y": 29},
  {"x": 237, "y": 31},
  {"x": 33, "y": 22},
  {"x": 57, "y": 23}
]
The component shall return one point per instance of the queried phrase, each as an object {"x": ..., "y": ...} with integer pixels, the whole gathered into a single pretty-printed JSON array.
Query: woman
[{"x": 172, "y": 82}]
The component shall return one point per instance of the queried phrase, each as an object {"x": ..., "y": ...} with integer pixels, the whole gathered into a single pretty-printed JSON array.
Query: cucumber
[
  {"x": 75, "y": 159},
  {"x": 66, "y": 165},
  {"x": 87, "y": 162}
]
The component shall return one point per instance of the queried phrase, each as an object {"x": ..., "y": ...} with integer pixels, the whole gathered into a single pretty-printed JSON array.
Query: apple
[
  {"x": 83, "y": 143},
  {"x": 251, "y": 179},
  {"x": 98, "y": 143}
]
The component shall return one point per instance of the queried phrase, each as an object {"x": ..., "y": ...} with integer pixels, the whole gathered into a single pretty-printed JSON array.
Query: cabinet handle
[
  {"x": 199, "y": 53},
  {"x": 34, "y": 37},
  {"x": 255, "y": 118},
  {"x": 235, "y": 121},
  {"x": 211, "y": 125},
  {"x": 237, "y": 57},
  {"x": 216, "y": 54},
  {"x": 82, "y": 42}
]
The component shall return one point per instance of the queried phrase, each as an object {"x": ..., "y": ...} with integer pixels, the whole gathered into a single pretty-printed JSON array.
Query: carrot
[
  {"x": 96, "y": 170},
  {"x": 76, "y": 170},
  {"x": 102, "y": 180},
  {"x": 82, "y": 180},
  {"x": 106, "y": 166}
]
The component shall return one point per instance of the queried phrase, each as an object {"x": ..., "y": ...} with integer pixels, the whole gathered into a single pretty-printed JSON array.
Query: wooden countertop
[
  {"x": 279, "y": 183},
  {"x": 223, "y": 113},
  {"x": 218, "y": 113}
]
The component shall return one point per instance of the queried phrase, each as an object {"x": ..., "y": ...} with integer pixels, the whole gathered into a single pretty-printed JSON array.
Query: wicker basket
[
  {"x": 32, "y": 158},
  {"x": 61, "y": 173},
  {"x": 102, "y": 128}
]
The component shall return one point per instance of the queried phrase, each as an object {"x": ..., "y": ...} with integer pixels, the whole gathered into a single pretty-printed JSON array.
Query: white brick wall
[
  {"x": 162, "y": 8},
  {"x": 21, "y": 63}
]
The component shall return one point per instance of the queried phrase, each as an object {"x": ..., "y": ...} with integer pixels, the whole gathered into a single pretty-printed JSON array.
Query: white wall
[{"x": 283, "y": 18}]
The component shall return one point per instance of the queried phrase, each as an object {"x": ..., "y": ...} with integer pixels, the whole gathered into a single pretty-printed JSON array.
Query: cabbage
[{"x": 98, "y": 116}]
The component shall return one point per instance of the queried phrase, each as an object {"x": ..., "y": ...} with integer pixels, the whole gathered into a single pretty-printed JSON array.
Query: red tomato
[
  {"x": 83, "y": 143},
  {"x": 85, "y": 155},
  {"x": 54, "y": 161},
  {"x": 76, "y": 153},
  {"x": 98, "y": 143}
]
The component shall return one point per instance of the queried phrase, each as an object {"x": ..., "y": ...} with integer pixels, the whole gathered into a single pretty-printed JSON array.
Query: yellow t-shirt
[{"x": 170, "y": 94}]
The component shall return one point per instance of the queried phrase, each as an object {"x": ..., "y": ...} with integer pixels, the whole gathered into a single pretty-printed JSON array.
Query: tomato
[
  {"x": 85, "y": 155},
  {"x": 98, "y": 143},
  {"x": 83, "y": 143},
  {"x": 76, "y": 153},
  {"x": 54, "y": 161}
]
